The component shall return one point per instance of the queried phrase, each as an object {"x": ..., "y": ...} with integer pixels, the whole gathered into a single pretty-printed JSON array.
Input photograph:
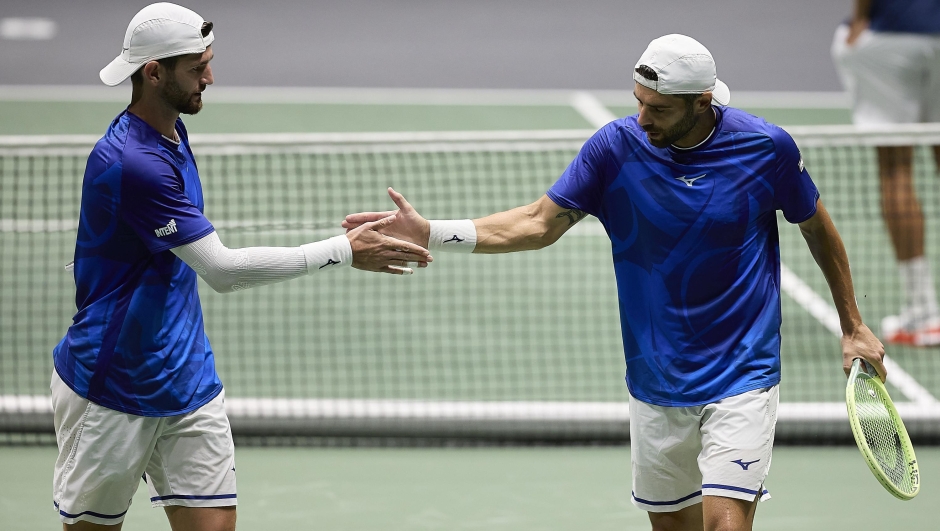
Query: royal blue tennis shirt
[
  {"x": 695, "y": 250},
  {"x": 137, "y": 342}
]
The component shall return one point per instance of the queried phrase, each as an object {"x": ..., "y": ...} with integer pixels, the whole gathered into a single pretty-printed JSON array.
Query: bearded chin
[
  {"x": 183, "y": 102},
  {"x": 188, "y": 105},
  {"x": 679, "y": 130},
  {"x": 191, "y": 107}
]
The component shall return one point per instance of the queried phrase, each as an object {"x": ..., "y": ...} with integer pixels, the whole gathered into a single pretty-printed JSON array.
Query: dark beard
[
  {"x": 182, "y": 101},
  {"x": 674, "y": 133}
]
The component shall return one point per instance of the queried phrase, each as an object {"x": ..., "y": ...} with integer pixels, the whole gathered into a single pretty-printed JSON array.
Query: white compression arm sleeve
[{"x": 227, "y": 270}]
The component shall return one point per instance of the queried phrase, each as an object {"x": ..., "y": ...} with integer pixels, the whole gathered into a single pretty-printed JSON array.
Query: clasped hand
[
  {"x": 385, "y": 242},
  {"x": 407, "y": 224}
]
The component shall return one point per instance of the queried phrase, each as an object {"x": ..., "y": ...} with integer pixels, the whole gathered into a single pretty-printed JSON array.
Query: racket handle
[{"x": 865, "y": 366}]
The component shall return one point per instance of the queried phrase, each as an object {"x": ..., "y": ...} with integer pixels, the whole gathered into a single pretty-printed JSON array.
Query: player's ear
[
  {"x": 152, "y": 72},
  {"x": 703, "y": 102}
]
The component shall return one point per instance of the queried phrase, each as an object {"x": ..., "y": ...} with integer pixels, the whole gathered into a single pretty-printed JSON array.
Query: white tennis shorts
[
  {"x": 680, "y": 454},
  {"x": 893, "y": 78},
  {"x": 186, "y": 460}
]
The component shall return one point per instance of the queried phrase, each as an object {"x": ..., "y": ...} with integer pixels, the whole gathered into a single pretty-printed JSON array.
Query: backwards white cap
[
  {"x": 683, "y": 66},
  {"x": 157, "y": 31}
]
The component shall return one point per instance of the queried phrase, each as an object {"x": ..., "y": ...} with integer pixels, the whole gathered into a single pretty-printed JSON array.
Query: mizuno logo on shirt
[
  {"x": 166, "y": 231},
  {"x": 329, "y": 262},
  {"x": 453, "y": 239},
  {"x": 689, "y": 180}
]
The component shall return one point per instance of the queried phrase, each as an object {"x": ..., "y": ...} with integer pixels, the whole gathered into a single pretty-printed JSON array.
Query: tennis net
[{"x": 522, "y": 347}]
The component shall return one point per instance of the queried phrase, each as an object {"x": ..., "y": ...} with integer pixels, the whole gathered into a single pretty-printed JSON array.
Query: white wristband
[
  {"x": 456, "y": 235},
  {"x": 332, "y": 253}
]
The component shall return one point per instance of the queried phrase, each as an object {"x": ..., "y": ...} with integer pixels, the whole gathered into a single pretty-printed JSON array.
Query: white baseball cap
[
  {"x": 158, "y": 31},
  {"x": 683, "y": 66}
]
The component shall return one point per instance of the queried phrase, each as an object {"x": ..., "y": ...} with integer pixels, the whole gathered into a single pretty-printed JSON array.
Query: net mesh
[
  {"x": 881, "y": 435},
  {"x": 522, "y": 346}
]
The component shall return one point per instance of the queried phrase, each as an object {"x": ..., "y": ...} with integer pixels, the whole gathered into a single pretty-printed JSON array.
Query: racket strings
[{"x": 881, "y": 435}]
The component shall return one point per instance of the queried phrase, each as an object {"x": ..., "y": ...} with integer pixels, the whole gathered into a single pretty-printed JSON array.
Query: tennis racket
[{"x": 879, "y": 432}]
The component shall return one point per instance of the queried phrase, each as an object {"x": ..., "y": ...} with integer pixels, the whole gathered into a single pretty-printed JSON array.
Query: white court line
[
  {"x": 408, "y": 96},
  {"x": 28, "y": 29},
  {"x": 592, "y": 109},
  {"x": 816, "y": 306}
]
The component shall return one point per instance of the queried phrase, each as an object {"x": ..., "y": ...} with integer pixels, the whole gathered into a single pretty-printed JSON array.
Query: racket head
[{"x": 880, "y": 434}]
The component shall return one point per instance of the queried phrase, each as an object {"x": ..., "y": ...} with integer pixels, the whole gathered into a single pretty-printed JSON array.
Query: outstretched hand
[
  {"x": 864, "y": 345},
  {"x": 375, "y": 251},
  {"x": 408, "y": 225}
]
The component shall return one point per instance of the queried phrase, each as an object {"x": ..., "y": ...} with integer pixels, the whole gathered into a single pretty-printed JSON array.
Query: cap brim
[
  {"x": 722, "y": 94},
  {"x": 117, "y": 71}
]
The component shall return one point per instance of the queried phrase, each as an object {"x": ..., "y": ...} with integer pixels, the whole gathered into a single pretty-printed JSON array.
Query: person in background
[{"x": 888, "y": 57}]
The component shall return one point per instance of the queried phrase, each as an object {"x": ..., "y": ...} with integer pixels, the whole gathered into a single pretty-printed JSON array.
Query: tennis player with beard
[
  {"x": 687, "y": 190},
  {"x": 135, "y": 391}
]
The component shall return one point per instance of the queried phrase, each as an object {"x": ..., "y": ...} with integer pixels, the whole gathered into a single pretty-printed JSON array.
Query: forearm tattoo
[{"x": 573, "y": 216}]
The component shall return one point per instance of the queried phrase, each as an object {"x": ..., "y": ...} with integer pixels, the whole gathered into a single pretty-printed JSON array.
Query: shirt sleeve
[
  {"x": 155, "y": 205},
  {"x": 582, "y": 184},
  {"x": 795, "y": 194}
]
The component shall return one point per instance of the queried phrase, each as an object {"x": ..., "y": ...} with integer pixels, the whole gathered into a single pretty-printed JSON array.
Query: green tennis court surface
[
  {"x": 361, "y": 111},
  {"x": 519, "y": 489}
]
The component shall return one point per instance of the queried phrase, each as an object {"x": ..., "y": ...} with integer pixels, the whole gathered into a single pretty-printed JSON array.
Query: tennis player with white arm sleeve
[
  {"x": 135, "y": 391},
  {"x": 687, "y": 191}
]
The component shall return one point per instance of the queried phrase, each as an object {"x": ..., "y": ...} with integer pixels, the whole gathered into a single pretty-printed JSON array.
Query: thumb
[
  {"x": 378, "y": 224},
  {"x": 400, "y": 201}
]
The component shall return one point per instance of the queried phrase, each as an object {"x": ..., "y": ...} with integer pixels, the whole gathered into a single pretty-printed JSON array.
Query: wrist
[
  {"x": 326, "y": 254},
  {"x": 455, "y": 235},
  {"x": 852, "y": 328}
]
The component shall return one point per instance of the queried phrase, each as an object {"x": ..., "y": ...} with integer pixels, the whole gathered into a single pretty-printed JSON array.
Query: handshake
[{"x": 394, "y": 241}]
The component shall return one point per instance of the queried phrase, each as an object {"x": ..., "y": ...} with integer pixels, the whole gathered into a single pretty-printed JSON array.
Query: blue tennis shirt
[
  {"x": 695, "y": 250},
  {"x": 137, "y": 342}
]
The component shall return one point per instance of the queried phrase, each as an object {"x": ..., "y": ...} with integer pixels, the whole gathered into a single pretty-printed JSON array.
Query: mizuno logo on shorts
[
  {"x": 689, "y": 180},
  {"x": 166, "y": 231},
  {"x": 745, "y": 464}
]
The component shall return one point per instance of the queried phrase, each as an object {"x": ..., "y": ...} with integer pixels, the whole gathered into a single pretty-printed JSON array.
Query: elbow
[
  {"x": 547, "y": 236},
  {"x": 223, "y": 289},
  {"x": 545, "y": 240},
  {"x": 219, "y": 287}
]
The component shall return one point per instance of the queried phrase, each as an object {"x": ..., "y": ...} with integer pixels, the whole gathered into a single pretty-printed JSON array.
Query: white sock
[{"x": 920, "y": 299}]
